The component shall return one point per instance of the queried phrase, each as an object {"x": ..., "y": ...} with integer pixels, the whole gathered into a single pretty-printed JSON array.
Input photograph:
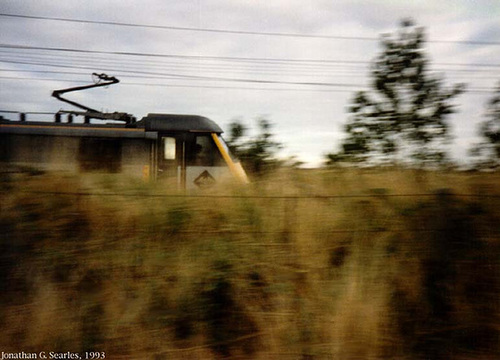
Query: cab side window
[
  {"x": 169, "y": 148},
  {"x": 204, "y": 152}
]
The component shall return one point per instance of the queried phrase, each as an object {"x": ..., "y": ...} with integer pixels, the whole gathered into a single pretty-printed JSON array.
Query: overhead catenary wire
[
  {"x": 277, "y": 68},
  {"x": 236, "y": 32},
  {"x": 179, "y": 56},
  {"x": 317, "y": 63},
  {"x": 340, "y": 87},
  {"x": 220, "y": 58},
  {"x": 181, "y": 64},
  {"x": 86, "y": 74},
  {"x": 296, "y": 69},
  {"x": 189, "y": 71},
  {"x": 340, "y": 69},
  {"x": 198, "y": 77},
  {"x": 358, "y": 87},
  {"x": 70, "y": 64},
  {"x": 192, "y": 68},
  {"x": 190, "y": 65},
  {"x": 213, "y": 87}
]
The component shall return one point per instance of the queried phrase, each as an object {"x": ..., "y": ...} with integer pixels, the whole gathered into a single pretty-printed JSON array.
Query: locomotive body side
[{"x": 184, "y": 150}]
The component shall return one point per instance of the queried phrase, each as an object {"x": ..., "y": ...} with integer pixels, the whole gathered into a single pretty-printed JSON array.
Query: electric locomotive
[{"x": 187, "y": 151}]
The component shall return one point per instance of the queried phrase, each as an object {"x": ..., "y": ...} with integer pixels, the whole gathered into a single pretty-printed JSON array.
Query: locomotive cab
[
  {"x": 191, "y": 151},
  {"x": 182, "y": 151}
]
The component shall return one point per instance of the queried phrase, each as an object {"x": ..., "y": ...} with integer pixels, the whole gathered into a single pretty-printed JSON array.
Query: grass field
[{"x": 305, "y": 264}]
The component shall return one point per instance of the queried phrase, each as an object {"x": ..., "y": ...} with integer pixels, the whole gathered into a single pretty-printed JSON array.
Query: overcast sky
[{"x": 295, "y": 62}]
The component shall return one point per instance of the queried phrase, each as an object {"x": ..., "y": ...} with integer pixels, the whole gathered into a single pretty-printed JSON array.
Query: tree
[
  {"x": 257, "y": 153},
  {"x": 488, "y": 150},
  {"x": 237, "y": 132},
  {"x": 404, "y": 116}
]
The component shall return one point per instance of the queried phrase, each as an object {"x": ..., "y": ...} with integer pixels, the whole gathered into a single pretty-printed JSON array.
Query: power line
[
  {"x": 196, "y": 77},
  {"x": 214, "y": 87},
  {"x": 47, "y": 72},
  {"x": 172, "y": 76},
  {"x": 179, "y": 28},
  {"x": 283, "y": 72},
  {"x": 308, "y": 69},
  {"x": 183, "y": 66},
  {"x": 117, "y": 66},
  {"x": 320, "y": 69},
  {"x": 155, "y": 74},
  {"x": 219, "y": 62},
  {"x": 236, "y": 32},
  {"x": 223, "y": 58},
  {"x": 195, "y": 57},
  {"x": 359, "y": 87},
  {"x": 119, "y": 74}
]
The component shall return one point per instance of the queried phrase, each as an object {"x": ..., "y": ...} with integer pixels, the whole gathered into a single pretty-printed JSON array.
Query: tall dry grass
[{"x": 281, "y": 269}]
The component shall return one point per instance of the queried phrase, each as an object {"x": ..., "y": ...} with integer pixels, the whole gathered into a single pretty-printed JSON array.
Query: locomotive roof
[
  {"x": 148, "y": 127},
  {"x": 174, "y": 122}
]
